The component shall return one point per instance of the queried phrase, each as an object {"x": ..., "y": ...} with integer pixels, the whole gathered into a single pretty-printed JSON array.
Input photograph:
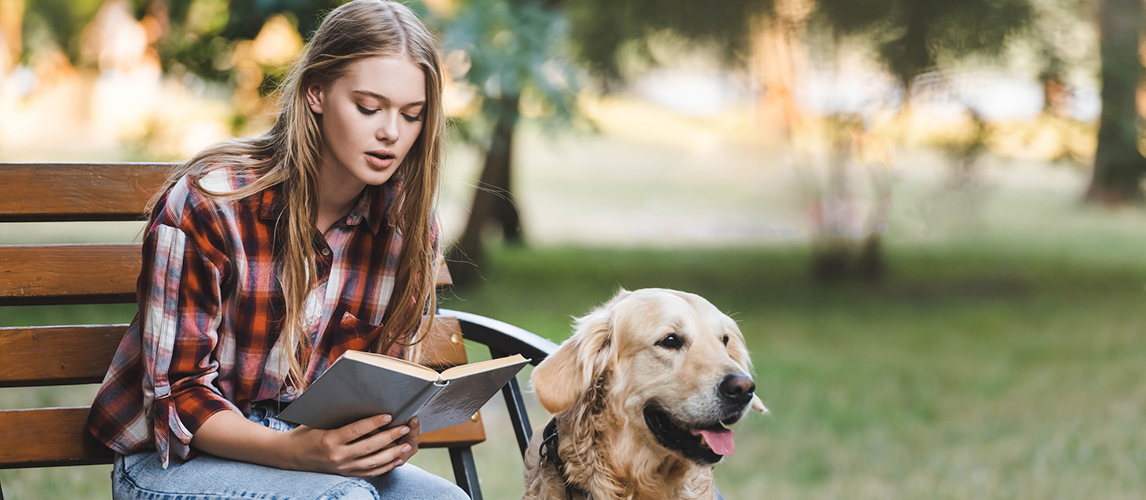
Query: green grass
[{"x": 973, "y": 371}]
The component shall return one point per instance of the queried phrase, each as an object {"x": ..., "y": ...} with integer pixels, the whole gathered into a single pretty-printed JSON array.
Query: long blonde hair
[{"x": 289, "y": 155}]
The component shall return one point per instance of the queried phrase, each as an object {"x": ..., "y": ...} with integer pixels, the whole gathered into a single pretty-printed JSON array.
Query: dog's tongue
[{"x": 720, "y": 441}]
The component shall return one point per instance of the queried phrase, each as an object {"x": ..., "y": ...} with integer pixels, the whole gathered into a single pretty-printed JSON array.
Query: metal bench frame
[{"x": 503, "y": 340}]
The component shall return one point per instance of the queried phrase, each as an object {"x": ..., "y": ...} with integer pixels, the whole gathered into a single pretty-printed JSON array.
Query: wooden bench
[{"x": 56, "y": 274}]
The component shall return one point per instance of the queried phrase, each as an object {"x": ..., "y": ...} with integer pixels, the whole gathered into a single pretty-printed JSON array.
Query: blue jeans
[{"x": 206, "y": 477}]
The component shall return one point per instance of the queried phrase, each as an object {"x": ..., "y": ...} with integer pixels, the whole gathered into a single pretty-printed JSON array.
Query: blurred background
[{"x": 926, "y": 215}]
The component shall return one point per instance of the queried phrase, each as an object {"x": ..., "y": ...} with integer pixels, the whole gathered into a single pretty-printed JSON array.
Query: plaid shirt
[{"x": 206, "y": 338}]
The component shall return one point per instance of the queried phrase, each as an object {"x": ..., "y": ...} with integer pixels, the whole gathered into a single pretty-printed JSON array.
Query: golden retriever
[{"x": 642, "y": 396}]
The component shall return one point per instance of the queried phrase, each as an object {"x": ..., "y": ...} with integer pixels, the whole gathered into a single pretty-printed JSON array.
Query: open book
[{"x": 361, "y": 384}]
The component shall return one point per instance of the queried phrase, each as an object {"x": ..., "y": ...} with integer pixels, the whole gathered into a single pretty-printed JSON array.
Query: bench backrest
[{"x": 56, "y": 274}]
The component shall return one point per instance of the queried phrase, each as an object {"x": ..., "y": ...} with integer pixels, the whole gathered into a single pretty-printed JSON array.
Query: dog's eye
[
  {"x": 726, "y": 341},
  {"x": 671, "y": 341}
]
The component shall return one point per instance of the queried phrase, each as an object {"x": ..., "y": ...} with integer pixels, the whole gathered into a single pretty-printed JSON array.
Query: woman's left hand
[{"x": 411, "y": 438}]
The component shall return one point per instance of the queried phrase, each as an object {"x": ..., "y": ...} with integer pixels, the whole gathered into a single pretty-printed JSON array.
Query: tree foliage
[
  {"x": 911, "y": 35},
  {"x": 512, "y": 49},
  {"x": 62, "y": 21},
  {"x": 599, "y": 29}
]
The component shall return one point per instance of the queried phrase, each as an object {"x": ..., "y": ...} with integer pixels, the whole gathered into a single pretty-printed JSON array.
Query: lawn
[{"x": 973, "y": 371}]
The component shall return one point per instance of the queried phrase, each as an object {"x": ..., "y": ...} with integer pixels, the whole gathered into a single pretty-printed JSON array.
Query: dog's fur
[{"x": 600, "y": 381}]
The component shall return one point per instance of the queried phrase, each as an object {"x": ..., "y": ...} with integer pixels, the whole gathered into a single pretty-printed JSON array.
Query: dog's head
[{"x": 673, "y": 366}]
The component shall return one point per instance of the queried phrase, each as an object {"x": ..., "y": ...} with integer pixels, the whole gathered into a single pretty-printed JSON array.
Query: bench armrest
[{"x": 503, "y": 339}]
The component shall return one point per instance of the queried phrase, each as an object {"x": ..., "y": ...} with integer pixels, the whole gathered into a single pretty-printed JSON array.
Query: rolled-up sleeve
[{"x": 180, "y": 313}]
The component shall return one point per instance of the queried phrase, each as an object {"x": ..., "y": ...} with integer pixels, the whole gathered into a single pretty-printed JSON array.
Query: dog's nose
[{"x": 737, "y": 388}]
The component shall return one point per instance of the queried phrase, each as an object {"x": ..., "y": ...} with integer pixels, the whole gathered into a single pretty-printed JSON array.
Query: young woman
[{"x": 267, "y": 258}]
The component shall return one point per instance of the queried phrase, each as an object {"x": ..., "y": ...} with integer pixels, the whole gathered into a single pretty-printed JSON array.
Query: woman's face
[{"x": 371, "y": 116}]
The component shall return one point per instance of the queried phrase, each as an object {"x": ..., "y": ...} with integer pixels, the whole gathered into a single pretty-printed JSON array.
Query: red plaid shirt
[{"x": 206, "y": 338}]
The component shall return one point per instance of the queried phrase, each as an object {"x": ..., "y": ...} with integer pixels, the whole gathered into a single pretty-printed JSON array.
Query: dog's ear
[
  {"x": 758, "y": 405},
  {"x": 738, "y": 348},
  {"x": 563, "y": 377}
]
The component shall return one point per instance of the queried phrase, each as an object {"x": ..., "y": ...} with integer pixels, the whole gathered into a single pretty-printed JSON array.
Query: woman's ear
[
  {"x": 565, "y": 376},
  {"x": 314, "y": 96}
]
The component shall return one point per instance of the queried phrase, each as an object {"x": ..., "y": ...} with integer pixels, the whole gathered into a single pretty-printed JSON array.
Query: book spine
[{"x": 407, "y": 412}]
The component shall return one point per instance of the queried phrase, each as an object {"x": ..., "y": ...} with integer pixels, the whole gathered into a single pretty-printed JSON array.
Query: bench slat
[
  {"x": 62, "y": 355},
  {"x": 68, "y": 274},
  {"x": 80, "y": 273},
  {"x": 57, "y": 355},
  {"x": 468, "y": 434},
  {"x": 48, "y": 437},
  {"x": 57, "y": 192}
]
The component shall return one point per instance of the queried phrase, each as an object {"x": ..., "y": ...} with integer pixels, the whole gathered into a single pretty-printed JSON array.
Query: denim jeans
[{"x": 206, "y": 477}]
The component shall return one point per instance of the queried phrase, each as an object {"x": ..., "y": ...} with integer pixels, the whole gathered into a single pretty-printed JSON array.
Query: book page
[
  {"x": 481, "y": 366},
  {"x": 465, "y": 394},
  {"x": 398, "y": 365}
]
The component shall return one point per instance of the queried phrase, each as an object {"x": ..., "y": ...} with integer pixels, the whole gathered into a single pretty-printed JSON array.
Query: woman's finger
[
  {"x": 352, "y": 431},
  {"x": 382, "y": 440},
  {"x": 412, "y": 438},
  {"x": 379, "y": 463},
  {"x": 384, "y": 469}
]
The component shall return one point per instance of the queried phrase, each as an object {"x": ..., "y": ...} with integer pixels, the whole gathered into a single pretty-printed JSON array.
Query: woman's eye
[
  {"x": 671, "y": 341},
  {"x": 366, "y": 111},
  {"x": 412, "y": 119}
]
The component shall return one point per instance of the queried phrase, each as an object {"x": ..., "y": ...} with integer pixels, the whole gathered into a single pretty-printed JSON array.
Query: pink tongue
[{"x": 720, "y": 442}]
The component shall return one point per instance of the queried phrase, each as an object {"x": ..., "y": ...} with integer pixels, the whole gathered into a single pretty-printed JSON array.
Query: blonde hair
[{"x": 289, "y": 155}]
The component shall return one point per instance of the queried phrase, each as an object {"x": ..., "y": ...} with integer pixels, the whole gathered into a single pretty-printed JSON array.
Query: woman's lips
[{"x": 379, "y": 162}]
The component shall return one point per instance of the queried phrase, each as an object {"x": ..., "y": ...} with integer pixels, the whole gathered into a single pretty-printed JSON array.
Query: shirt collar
[{"x": 373, "y": 205}]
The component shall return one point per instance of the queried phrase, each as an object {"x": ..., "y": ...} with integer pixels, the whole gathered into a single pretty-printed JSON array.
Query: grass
[{"x": 971, "y": 372}]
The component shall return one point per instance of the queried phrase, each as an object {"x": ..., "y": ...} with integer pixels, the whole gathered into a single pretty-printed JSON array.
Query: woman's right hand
[{"x": 345, "y": 452}]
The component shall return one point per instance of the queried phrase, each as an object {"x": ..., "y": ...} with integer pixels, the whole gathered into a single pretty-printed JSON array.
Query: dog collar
[{"x": 549, "y": 453}]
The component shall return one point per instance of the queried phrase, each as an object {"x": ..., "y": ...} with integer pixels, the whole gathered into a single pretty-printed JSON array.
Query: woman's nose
[{"x": 388, "y": 130}]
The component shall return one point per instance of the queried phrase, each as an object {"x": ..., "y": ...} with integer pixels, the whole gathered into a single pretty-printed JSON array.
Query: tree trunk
[
  {"x": 493, "y": 198},
  {"x": 1118, "y": 165}
]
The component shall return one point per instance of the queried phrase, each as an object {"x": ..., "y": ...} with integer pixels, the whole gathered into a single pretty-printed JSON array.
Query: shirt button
[{"x": 326, "y": 252}]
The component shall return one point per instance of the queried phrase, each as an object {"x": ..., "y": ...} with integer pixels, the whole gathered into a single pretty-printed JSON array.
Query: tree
[
  {"x": 515, "y": 51},
  {"x": 1118, "y": 164},
  {"x": 62, "y": 20},
  {"x": 912, "y": 37}
]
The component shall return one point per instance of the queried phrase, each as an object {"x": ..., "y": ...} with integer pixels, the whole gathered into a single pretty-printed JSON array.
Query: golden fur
[{"x": 601, "y": 378}]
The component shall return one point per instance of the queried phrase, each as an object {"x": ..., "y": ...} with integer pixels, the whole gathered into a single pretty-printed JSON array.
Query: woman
[{"x": 267, "y": 258}]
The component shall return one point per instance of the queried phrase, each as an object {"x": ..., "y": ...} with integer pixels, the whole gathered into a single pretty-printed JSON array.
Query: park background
[{"x": 925, "y": 215}]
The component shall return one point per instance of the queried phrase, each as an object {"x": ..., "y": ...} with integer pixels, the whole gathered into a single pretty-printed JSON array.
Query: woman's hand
[{"x": 356, "y": 450}]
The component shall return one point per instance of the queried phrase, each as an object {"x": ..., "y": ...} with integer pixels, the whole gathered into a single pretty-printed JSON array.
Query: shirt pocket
[{"x": 355, "y": 334}]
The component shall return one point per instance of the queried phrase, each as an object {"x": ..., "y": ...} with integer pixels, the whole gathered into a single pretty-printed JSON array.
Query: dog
[{"x": 642, "y": 395}]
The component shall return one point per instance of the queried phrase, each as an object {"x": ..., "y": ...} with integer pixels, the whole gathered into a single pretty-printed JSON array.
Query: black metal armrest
[{"x": 504, "y": 339}]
